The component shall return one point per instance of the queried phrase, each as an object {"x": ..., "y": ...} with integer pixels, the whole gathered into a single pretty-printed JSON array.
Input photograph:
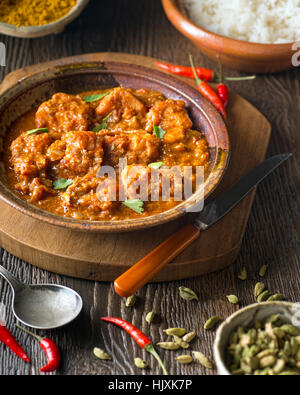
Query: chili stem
[
  {"x": 152, "y": 351},
  {"x": 142, "y": 340},
  {"x": 30, "y": 333},
  {"x": 246, "y": 78},
  {"x": 198, "y": 81}
]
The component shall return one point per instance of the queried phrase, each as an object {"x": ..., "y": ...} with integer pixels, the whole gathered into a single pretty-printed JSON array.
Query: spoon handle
[{"x": 15, "y": 284}]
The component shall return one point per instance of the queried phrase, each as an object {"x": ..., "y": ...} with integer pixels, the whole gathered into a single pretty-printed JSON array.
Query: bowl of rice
[{"x": 257, "y": 36}]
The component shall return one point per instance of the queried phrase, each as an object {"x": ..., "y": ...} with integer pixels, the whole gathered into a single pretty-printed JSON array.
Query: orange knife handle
[{"x": 144, "y": 270}]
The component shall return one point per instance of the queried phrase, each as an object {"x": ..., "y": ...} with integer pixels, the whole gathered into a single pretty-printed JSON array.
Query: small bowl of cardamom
[
  {"x": 261, "y": 339},
  {"x": 27, "y": 19}
]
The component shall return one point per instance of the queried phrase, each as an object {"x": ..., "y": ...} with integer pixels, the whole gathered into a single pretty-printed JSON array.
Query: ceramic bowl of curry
[{"x": 63, "y": 125}]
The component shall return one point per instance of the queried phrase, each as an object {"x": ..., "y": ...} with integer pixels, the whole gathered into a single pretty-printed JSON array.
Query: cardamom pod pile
[{"x": 268, "y": 348}]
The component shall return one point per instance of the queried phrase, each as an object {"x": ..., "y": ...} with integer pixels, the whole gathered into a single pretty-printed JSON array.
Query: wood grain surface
[{"x": 272, "y": 234}]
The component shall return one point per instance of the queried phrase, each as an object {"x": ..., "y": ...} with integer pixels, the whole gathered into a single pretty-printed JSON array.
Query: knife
[{"x": 144, "y": 270}]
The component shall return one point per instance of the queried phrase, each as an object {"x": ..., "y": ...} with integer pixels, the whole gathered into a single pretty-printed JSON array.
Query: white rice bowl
[{"x": 259, "y": 21}]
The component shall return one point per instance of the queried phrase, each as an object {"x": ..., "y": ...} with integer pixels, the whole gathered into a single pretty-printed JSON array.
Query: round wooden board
[{"x": 104, "y": 257}]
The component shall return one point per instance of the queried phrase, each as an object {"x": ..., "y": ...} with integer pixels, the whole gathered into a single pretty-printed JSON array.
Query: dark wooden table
[{"x": 272, "y": 235}]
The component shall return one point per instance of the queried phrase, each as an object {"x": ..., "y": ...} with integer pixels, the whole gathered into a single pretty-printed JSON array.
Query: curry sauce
[{"x": 71, "y": 138}]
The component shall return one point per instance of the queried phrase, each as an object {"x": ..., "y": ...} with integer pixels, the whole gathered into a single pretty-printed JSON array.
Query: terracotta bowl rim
[
  {"x": 198, "y": 33},
  {"x": 183, "y": 89}
]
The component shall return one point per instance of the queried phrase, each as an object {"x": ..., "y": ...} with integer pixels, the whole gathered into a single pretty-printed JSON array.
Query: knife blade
[
  {"x": 225, "y": 202},
  {"x": 144, "y": 270}
]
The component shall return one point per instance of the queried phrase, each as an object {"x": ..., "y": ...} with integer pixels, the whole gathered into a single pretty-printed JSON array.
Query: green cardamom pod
[
  {"x": 237, "y": 355},
  {"x": 175, "y": 331},
  {"x": 290, "y": 330},
  {"x": 233, "y": 299},
  {"x": 140, "y": 363},
  {"x": 187, "y": 294},
  {"x": 99, "y": 353},
  {"x": 279, "y": 366},
  {"x": 130, "y": 301},
  {"x": 249, "y": 364},
  {"x": 243, "y": 274},
  {"x": 274, "y": 319},
  {"x": 279, "y": 333},
  {"x": 294, "y": 346},
  {"x": 258, "y": 289},
  {"x": 184, "y": 345},
  {"x": 276, "y": 297},
  {"x": 211, "y": 323},
  {"x": 253, "y": 334},
  {"x": 254, "y": 350},
  {"x": 168, "y": 345},
  {"x": 246, "y": 341},
  {"x": 189, "y": 337},
  {"x": 184, "y": 359},
  {"x": 150, "y": 317},
  {"x": 204, "y": 361},
  {"x": 283, "y": 355},
  {"x": 270, "y": 331},
  {"x": 180, "y": 341},
  {"x": 263, "y": 296},
  {"x": 267, "y": 362},
  {"x": 233, "y": 338},
  {"x": 266, "y": 353},
  {"x": 263, "y": 270}
]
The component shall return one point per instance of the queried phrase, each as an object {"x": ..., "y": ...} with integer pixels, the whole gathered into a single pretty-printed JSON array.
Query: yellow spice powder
[{"x": 33, "y": 12}]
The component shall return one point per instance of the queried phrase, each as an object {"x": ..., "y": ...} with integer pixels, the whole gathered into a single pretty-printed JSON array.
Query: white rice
[{"x": 260, "y": 21}]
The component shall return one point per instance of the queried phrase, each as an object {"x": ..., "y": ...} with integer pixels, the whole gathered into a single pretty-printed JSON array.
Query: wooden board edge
[{"x": 96, "y": 272}]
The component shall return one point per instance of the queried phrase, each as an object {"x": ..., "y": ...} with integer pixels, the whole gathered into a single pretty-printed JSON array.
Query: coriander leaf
[
  {"x": 135, "y": 205},
  {"x": 39, "y": 130},
  {"x": 62, "y": 183},
  {"x": 102, "y": 125},
  {"x": 98, "y": 127},
  {"x": 92, "y": 98},
  {"x": 155, "y": 165},
  {"x": 158, "y": 131}
]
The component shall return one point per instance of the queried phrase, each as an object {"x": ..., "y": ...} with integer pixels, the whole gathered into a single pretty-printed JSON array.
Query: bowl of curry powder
[{"x": 36, "y": 18}]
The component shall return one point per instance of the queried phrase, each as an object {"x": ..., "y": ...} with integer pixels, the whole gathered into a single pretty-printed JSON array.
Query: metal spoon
[{"x": 42, "y": 306}]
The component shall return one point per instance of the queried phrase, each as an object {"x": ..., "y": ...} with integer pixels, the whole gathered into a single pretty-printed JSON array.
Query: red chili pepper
[
  {"x": 208, "y": 92},
  {"x": 142, "y": 340},
  {"x": 203, "y": 73},
  {"x": 223, "y": 93},
  {"x": 52, "y": 353},
  {"x": 7, "y": 338},
  {"x": 51, "y": 350},
  {"x": 222, "y": 89}
]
